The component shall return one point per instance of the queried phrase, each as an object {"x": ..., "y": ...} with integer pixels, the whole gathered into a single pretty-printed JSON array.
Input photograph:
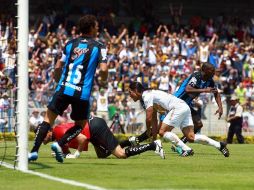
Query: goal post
[{"x": 22, "y": 85}]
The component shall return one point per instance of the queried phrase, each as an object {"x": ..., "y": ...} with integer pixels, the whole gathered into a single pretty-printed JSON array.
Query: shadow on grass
[
  {"x": 38, "y": 166},
  {"x": 92, "y": 163}
]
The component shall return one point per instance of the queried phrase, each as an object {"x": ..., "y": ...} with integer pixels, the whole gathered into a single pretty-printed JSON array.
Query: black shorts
[
  {"x": 60, "y": 102},
  {"x": 196, "y": 116},
  {"x": 102, "y": 138}
]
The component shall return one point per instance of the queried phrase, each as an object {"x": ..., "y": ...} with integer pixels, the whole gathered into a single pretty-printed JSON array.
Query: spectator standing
[
  {"x": 102, "y": 104},
  {"x": 235, "y": 119},
  {"x": 35, "y": 120},
  {"x": 240, "y": 91}
]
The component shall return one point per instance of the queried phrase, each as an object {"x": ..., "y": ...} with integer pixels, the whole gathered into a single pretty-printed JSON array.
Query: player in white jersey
[{"x": 178, "y": 115}]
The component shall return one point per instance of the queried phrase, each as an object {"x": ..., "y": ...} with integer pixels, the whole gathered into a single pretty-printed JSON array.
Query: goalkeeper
[{"x": 98, "y": 133}]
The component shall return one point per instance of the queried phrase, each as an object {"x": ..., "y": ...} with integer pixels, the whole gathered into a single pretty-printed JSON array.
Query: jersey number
[{"x": 77, "y": 73}]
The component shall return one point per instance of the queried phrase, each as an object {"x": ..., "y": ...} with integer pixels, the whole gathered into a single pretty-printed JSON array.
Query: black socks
[
  {"x": 140, "y": 138},
  {"x": 132, "y": 151},
  {"x": 69, "y": 135},
  {"x": 143, "y": 137},
  {"x": 40, "y": 134}
]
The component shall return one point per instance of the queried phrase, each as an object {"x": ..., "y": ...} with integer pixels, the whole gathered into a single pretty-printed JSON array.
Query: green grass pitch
[{"x": 207, "y": 169}]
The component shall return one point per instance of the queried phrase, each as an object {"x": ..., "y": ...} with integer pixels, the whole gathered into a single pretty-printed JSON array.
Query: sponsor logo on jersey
[{"x": 78, "y": 52}]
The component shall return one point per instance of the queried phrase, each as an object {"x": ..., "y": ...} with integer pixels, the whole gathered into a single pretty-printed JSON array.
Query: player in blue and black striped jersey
[
  {"x": 196, "y": 83},
  {"x": 74, "y": 73}
]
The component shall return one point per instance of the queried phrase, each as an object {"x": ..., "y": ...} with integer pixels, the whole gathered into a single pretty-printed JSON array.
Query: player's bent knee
[
  {"x": 119, "y": 152},
  {"x": 191, "y": 137}
]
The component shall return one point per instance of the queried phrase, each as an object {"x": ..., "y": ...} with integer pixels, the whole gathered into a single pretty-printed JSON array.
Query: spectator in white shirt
[{"x": 35, "y": 120}]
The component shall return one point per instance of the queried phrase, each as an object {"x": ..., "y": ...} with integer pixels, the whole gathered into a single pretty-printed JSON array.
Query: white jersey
[
  {"x": 177, "y": 112},
  {"x": 161, "y": 101}
]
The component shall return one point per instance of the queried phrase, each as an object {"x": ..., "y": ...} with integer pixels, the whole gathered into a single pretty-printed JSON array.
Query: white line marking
[
  {"x": 79, "y": 184},
  {"x": 66, "y": 181}
]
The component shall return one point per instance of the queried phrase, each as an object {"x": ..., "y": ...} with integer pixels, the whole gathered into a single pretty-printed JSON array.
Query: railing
[{"x": 211, "y": 124}]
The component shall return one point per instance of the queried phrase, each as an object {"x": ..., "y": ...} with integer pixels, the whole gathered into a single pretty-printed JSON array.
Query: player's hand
[
  {"x": 70, "y": 156},
  {"x": 220, "y": 112},
  {"x": 211, "y": 90}
]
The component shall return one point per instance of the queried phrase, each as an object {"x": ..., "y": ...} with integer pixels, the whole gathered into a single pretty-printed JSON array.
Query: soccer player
[
  {"x": 74, "y": 73},
  {"x": 178, "y": 114},
  {"x": 98, "y": 133},
  {"x": 196, "y": 83}
]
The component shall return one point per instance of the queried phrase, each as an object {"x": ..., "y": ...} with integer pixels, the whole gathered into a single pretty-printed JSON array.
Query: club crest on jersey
[{"x": 78, "y": 52}]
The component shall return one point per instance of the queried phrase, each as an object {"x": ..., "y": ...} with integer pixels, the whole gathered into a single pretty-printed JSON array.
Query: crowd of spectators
[{"x": 159, "y": 56}]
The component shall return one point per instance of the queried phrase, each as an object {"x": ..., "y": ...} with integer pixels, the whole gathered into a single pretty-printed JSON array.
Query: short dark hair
[
  {"x": 85, "y": 23},
  {"x": 207, "y": 65},
  {"x": 137, "y": 86}
]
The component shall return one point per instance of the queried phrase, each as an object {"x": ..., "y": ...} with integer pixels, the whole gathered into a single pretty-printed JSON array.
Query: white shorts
[{"x": 179, "y": 116}]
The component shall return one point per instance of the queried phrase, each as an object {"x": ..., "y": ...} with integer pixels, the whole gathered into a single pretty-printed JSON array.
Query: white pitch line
[
  {"x": 157, "y": 189},
  {"x": 66, "y": 181},
  {"x": 79, "y": 184}
]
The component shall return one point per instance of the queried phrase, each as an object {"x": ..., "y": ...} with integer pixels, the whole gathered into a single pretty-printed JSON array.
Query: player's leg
[
  {"x": 132, "y": 141},
  {"x": 166, "y": 133},
  {"x": 135, "y": 150},
  {"x": 80, "y": 112},
  {"x": 80, "y": 143},
  {"x": 188, "y": 131},
  {"x": 43, "y": 129},
  {"x": 106, "y": 143},
  {"x": 173, "y": 119},
  {"x": 197, "y": 123},
  {"x": 102, "y": 138},
  {"x": 56, "y": 107}
]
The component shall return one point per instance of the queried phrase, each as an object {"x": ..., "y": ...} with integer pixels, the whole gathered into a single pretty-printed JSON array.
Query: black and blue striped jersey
[
  {"x": 195, "y": 81},
  {"x": 81, "y": 57}
]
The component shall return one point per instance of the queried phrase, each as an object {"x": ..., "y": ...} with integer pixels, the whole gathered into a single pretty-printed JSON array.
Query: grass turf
[{"x": 207, "y": 169}]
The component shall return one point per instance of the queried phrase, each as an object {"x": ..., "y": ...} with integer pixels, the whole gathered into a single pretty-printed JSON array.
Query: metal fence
[
  {"x": 7, "y": 110},
  {"x": 212, "y": 126}
]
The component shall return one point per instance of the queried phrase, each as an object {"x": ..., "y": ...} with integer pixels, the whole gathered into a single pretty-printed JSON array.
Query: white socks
[
  {"x": 202, "y": 139},
  {"x": 175, "y": 140}
]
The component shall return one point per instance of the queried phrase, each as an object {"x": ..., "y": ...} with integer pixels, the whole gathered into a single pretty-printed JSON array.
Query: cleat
[
  {"x": 159, "y": 150},
  {"x": 223, "y": 149},
  {"x": 58, "y": 151},
  {"x": 33, "y": 156},
  {"x": 179, "y": 150},
  {"x": 134, "y": 141},
  {"x": 186, "y": 153}
]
